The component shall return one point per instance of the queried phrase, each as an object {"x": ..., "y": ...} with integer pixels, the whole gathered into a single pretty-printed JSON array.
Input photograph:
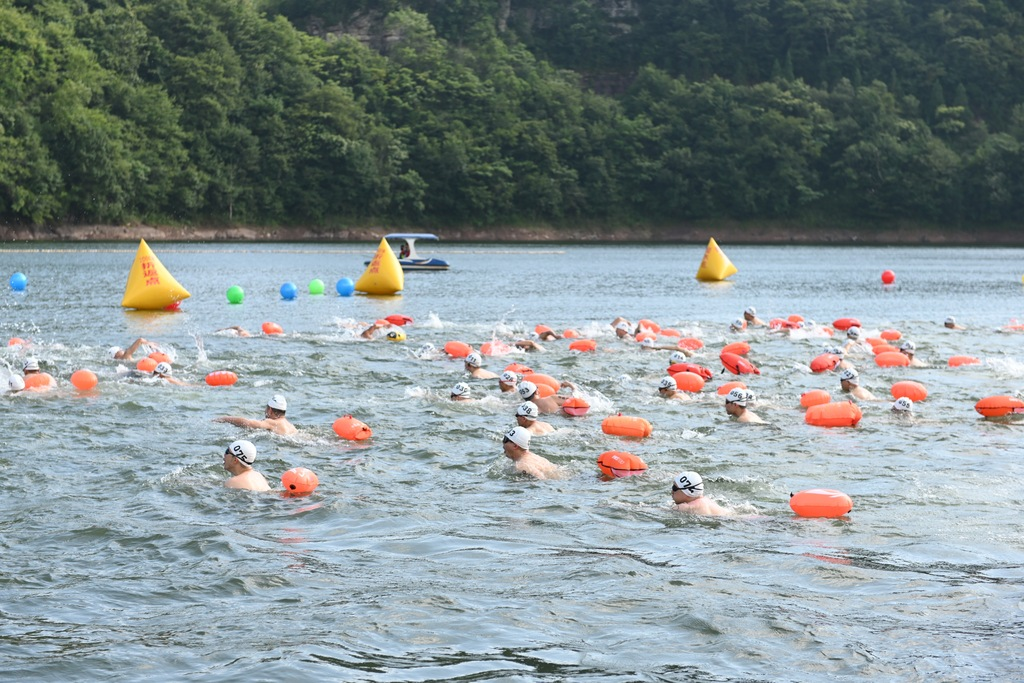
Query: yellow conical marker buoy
[
  {"x": 384, "y": 274},
  {"x": 715, "y": 265},
  {"x": 150, "y": 286}
]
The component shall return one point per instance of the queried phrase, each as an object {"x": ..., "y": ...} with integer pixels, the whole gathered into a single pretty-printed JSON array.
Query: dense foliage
[{"x": 474, "y": 111}]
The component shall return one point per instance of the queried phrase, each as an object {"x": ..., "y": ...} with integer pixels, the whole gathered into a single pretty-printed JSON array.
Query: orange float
[
  {"x": 645, "y": 335},
  {"x": 575, "y": 406},
  {"x": 397, "y": 319},
  {"x": 298, "y": 481},
  {"x": 891, "y": 335},
  {"x": 729, "y": 386},
  {"x": 669, "y": 332},
  {"x": 570, "y": 334},
  {"x": 221, "y": 378},
  {"x": 542, "y": 329},
  {"x": 349, "y": 428},
  {"x": 737, "y": 365},
  {"x": 160, "y": 357},
  {"x": 883, "y": 348},
  {"x": 690, "y": 344},
  {"x": 518, "y": 368},
  {"x": 824, "y": 363},
  {"x": 146, "y": 365},
  {"x": 795, "y": 318},
  {"x": 957, "y": 361},
  {"x": 891, "y": 359},
  {"x": 17, "y": 341},
  {"x": 814, "y": 397},
  {"x": 625, "y": 425},
  {"x": 915, "y": 391},
  {"x": 539, "y": 379},
  {"x": 689, "y": 381},
  {"x": 83, "y": 380},
  {"x": 583, "y": 345},
  {"x": 649, "y": 325},
  {"x": 494, "y": 348},
  {"x": 781, "y": 324},
  {"x": 875, "y": 341},
  {"x": 844, "y": 414},
  {"x": 545, "y": 390},
  {"x": 998, "y": 406},
  {"x": 691, "y": 367},
  {"x": 457, "y": 349},
  {"x": 272, "y": 328},
  {"x": 39, "y": 380},
  {"x": 820, "y": 503},
  {"x": 740, "y": 348},
  {"x": 845, "y": 323},
  {"x": 617, "y": 464}
]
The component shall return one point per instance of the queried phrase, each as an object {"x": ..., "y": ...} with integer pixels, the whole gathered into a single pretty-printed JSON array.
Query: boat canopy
[{"x": 411, "y": 236}]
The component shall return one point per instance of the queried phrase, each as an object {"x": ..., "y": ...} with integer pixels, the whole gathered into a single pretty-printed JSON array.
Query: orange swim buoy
[
  {"x": 397, "y": 319},
  {"x": 844, "y": 414},
  {"x": 570, "y": 334},
  {"x": 39, "y": 380},
  {"x": 781, "y": 324},
  {"x": 17, "y": 341},
  {"x": 575, "y": 406},
  {"x": 998, "y": 406},
  {"x": 845, "y": 323},
  {"x": 518, "y": 368},
  {"x": 689, "y": 381},
  {"x": 645, "y": 335},
  {"x": 891, "y": 335},
  {"x": 820, "y": 503},
  {"x": 457, "y": 349},
  {"x": 221, "y": 378},
  {"x": 814, "y": 397},
  {"x": 298, "y": 481},
  {"x": 915, "y": 391},
  {"x": 160, "y": 357},
  {"x": 542, "y": 329},
  {"x": 729, "y": 386},
  {"x": 740, "y": 348},
  {"x": 824, "y": 363},
  {"x": 891, "y": 359},
  {"x": 540, "y": 379},
  {"x": 83, "y": 380},
  {"x": 495, "y": 348},
  {"x": 690, "y": 344},
  {"x": 691, "y": 367},
  {"x": 737, "y": 365},
  {"x": 957, "y": 361},
  {"x": 349, "y": 428},
  {"x": 649, "y": 325},
  {"x": 583, "y": 345},
  {"x": 616, "y": 464},
  {"x": 883, "y": 348},
  {"x": 875, "y": 341},
  {"x": 272, "y": 328},
  {"x": 625, "y": 425},
  {"x": 146, "y": 364},
  {"x": 795, "y": 318},
  {"x": 669, "y": 332}
]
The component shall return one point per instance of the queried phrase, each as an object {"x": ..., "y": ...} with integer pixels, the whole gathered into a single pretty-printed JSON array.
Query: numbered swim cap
[
  {"x": 853, "y": 332},
  {"x": 529, "y": 410},
  {"x": 908, "y": 346},
  {"x": 950, "y": 320},
  {"x": 163, "y": 369},
  {"x": 460, "y": 389},
  {"x": 474, "y": 359},
  {"x": 31, "y": 365},
  {"x": 509, "y": 377},
  {"x": 666, "y": 383},
  {"x": 278, "y": 402},
  {"x": 689, "y": 483},
  {"x": 15, "y": 383},
  {"x": 902, "y": 405},
  {"x": 737, "y": 396},
  {"x": 624, "y": 326},
  {"x": 647, "y": 341},
  {"x": 677, "y": 357},
  {"x": 750, "y": 398},
  {"x": 738, "y": 324},
  {"x": 848, "y": 375},
  {"x": 243, "y": 451},
  {"x": 835, "y": 350},
  {"x": 750, "y": 310},
  {"x": 520, "y": 436},
  {"x": 527, "y": 389}
]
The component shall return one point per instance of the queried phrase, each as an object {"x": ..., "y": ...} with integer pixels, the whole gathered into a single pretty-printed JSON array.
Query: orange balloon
[{"x": 83, "y": 380}]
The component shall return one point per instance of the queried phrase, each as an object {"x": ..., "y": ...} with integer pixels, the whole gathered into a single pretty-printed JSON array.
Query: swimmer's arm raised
[{"x": 242, "y": 422}]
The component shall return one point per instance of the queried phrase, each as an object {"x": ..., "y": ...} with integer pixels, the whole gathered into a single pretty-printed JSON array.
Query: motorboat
[{"x": 408, "y": 258}]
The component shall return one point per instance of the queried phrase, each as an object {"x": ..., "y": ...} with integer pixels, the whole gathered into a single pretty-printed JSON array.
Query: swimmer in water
[
  {"x": 238, "y": 460},
  {"x": 118, "y": 353},
  {"x": 623, "y": 330},
  {"x": 738, "y": 325},
  {"x": 473, "y": 361},
  {"x": 903, "y": 407},
  {"x": 15, "y": 384},
  {"x": 234, "y": 330},
  {"x": 547, "y": 405},
  {"x": 460, "y": 392},
  {"x": 736, "y": 402},
  {"x": 950, "y": 323},
  {"x": 163, "y": 371},
  {"x": 508, "y": 381},
  {"x": 35, "y": 379},
  {"x": 688, "y": 496},
  {"x": 528, "y": 345},
  {"x": 648, "y": 344},
  {"x": 547, "y": 334},
  {"x": 516, "y": 445},
  {"x": 849, "y": 382},
  {"x": 841, "y": 352},
  {"x": 667, "y": 389},
  {"x": 371, "y": 331},
  {"x": 274, "y": 419},
  {"x": 526, "y": 417},
  {"x": 853, "y": 341},
  {"x": 750, "y": 316},
  {"x": 908, "y": 348}
]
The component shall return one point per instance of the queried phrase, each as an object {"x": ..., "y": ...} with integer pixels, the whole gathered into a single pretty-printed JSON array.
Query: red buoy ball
[
  {"x": 888, "y": 277},
  {"x": 83, "y": 380}
]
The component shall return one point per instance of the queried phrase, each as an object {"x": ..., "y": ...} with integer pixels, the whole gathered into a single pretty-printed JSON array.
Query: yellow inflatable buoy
[
  {"x": 384, "y": 274},
  {"x": 150, "y": 286},
  {"x": 715, "y": 265}
]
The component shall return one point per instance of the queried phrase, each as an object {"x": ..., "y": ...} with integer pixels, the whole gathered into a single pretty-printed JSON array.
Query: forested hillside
[{"x": 491, "y": 112}]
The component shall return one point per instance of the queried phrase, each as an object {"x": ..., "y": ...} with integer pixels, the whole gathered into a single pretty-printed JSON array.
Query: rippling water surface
[{"x": 422, "y": 557}]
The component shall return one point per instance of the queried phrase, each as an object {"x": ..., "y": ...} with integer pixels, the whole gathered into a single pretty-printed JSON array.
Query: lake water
[{"x": 422, "y": 557}]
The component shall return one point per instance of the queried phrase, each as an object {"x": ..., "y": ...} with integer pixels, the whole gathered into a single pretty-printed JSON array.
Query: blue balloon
[
  {"x": 19, "y": 282},
  {"x": 289, "y": 290},
  {"x": 345, "y": 286}
]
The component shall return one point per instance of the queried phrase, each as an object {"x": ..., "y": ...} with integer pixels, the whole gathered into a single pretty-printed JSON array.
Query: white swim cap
[
  {"x": 666, "y": 383},
  {"x": 509, "y": 377},
  {"x": 647, "y": 341},
  {"x": 750, "y": 396},
  {"x": 902, "y": 405},
  {"x": 162, "y": 369},
  {"x": 528, "y": 409},
  {"x": 689, "y": 483},
  {"x": 677, "y": 357},
  {"x": 738, "y": 396},
  {"x": 750, "y": 310},
  {"x": 113, "y": 351},
  {"x": 835, "y": 350},
  {"x": 624, "y": 326},
  {"x": 527, "y": 389},
  {"x": 474, "y": 359},
  {"x": 950, "y": 321},
  {"x": 849, "y": 375},
  {"x": 426, "y": 349},
  {"x": 15, "y": 383},
  {"x": 278, "y": 402},
  {"x": 738, "y": 324},
  {"x": 244, "y": 451},
  {"x": 853, "y": 332},
  {"x": 908, "y": 346},
  {"x": 31, "y": 365},
  {"x": 520, "y": 436},
  {"x": 460, "y": 389}
]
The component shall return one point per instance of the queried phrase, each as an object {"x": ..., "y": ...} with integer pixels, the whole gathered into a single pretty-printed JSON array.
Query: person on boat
[
  {"x": 163, "y": 371},
  {"x": 516, "y": 444},
  {"x": 117, "y": 353},
  {"x": 508, "y": 381},
  {"x": 36, "y": 379},
  {"x": 547, "y": 405},
  {"x": 736, "y": 402},
  {"x": 849, "y": 382},
  {"x": 908, "y": 349},
  {"x": 667, "y": 389},
  {"x": 274, "y": 419},
  {"x": 404, "y": 252},
  {"x": 526, "y": 416},
  {"x": 750, "y": 316},
  {"x": 238, "y": 460},
  {"x": 903, "y": 407},
  {"x": 688, "y": 496},
  {"x": 951, "y": 324},
  {"x": 473, "y": 361},
  {"x": 460, "y": 392}
]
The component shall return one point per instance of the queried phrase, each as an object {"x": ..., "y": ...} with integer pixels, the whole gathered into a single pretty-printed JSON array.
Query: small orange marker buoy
[
  {"x": 494, "y": 348},
  {"x": 737, "y": 365},
  {"x": 618, "y": 464},
  {"x": 883, "y": 348},
  {"x": 398, "y": 319},
  {"x": 457, "y": 349},
  {"x": 690, "y": 344},
  {"x": 160, "y": 357},
  {"x": 827, "y": 503},
  {"x": 669, "y": 332},
  {"x": 575, "y": 406},
  {"x": 740, "y": 348},
  {"x": 146, "y": 365},
  {"x": 957, "y": 361},
  {"x": 83, "y": 380},
  {"x": 891, "y": 335},
  {"x": 17, "y": 341},
  {"x": 349, "y": 428},
  {"x": 518, "y": 368},
  {"x": 691, "y": 367},
  {"x": 845, "y": 323},
  {"x": 649, "y": 325},
  {"x": 539, "y": 379},
  {"x": 299, "y": 481},
  {"x": 570, "y": 334},
  {"x": 272, "y": 328},
  {"x": 824, "y": 363},
  {"x": 891, "y": 359},
  {"x": 689, "y": 382},
  {"x": 915, "y": 391},
  {"x": 583, "y": 345},
  {"x": 625, "y": 425},
  {"x": 221, "y": 378},
  {"x": 729, "y": 386},
  {"x": 814, "y": 397}
]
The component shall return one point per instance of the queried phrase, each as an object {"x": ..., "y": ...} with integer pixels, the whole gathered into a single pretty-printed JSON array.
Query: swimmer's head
[
  {"x": 474, "y": 360},
  {"x": 396, "y": 336},
  {"x": 689, "y": 483},
  {"x": 849, "y": 375},
  {"x": 666, "y": 384},
  {"x": 647, "y": 342},
  {"x": 902, "y": 405},
  {"x": 278, "y": 402},
  {"x": 853, "y": 333},
  {"x": 527, "y": 390},
  {"x": 460, "y": 390},
  {"x": 520, "y": 436},
  {"x": 623, "y": 325},
  {"x": 835, "y": 350},
  {"x": 113, "y": 351},
  {"x": 15, "y": 383},
  {"x": 509, "y": 377},
  {"x": 31, "y": 365},
  {"x": 528, "y": 410},
  {"x": 243, "y": 451},
  {"x": 162, "y": 369},
  {"x": 950, "y": 321},
  {"x": 908, "y": 347},
  {"x": 677, "y": 357},
  {"x": 737, "y": 396},
  {"x": 749, "y": 312},
  {"x": 426, "y": 349},
  {"x": 750, "y": 398},
  {"x": 738, "y": 325}
]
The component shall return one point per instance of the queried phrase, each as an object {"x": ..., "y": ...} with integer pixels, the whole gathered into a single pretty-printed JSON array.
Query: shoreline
[{"x": 723, "y": 232}]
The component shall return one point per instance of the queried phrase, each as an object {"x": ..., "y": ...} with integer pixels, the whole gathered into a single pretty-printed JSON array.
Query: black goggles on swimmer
[{"x": 688, "y": 490}]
